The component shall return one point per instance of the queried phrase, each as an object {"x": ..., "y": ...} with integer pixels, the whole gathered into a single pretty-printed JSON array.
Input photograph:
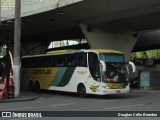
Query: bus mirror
[
  {"x": 131, "y": 70},
  {"x": 103, "y": 66},
  {"x": 131, "y": 67}
]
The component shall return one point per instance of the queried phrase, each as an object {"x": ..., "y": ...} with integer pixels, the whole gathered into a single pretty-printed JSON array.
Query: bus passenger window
[
  {"x": 52, "y": 61},
  {"x": 48, "y": 62},
  {"x": 71, "y": 60},
  {"x": 60, "y": 61},
  {"x": 82, "y": 60},
  {"x": 26, "y": 63},
  {"x": 43, "y": 62},
  {"x": 33, "y": 62}
]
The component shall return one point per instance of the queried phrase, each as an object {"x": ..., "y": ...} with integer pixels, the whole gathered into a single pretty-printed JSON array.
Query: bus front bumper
[{"x": 116, "y": 91}]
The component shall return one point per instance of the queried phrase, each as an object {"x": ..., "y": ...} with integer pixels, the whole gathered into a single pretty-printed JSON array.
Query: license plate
[{"x": 118, "y": 91}]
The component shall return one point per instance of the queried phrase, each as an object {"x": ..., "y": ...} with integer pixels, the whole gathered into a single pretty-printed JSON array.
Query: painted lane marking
[
  {"x": 19, "y": 108},
  {"x": 125, "y": 106},
  {"x": 61, "y": 104},
  {"x": 106, "y": 100}
]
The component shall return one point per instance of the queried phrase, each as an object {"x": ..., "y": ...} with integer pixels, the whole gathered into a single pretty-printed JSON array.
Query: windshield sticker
[{"x": 115, "y": 85}]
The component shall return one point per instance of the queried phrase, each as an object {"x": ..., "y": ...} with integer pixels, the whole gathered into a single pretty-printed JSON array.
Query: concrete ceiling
[{"x": 118, "y": 16}]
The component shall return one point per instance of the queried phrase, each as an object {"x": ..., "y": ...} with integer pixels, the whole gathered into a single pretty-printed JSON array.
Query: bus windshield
[{"x": 116, "y": 69}]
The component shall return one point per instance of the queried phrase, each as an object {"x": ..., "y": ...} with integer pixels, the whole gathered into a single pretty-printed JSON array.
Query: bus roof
[
  {"x": 69, "y": 51},
  {"x": 105, "y": 51},
  {"x": 62, "y": 51},
  {"x": 83, "y": 50}
]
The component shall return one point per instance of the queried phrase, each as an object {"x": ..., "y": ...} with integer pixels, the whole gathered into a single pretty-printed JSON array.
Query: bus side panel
[
  {"x": 82, "y": 75},
  {"x": 58, "y": 76},
  {"x": 71, "y": 78},
  {"x": 63, "y": 79},
  {"x": 46, "y": 79},
  {"x": 63, "y": 76},
  {"x": 37, "y": 74},
  {"x": 67, "y": 76}
]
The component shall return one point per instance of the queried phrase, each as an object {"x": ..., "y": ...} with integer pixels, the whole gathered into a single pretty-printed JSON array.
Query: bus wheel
[
  {"x": 31, "y": 85},
  {"x": 37, "y": 86},
  {"x": 81, "y": 90}
]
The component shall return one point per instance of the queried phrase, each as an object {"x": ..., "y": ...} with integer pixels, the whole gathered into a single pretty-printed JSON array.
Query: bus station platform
[{"x": 24, "y": 96}]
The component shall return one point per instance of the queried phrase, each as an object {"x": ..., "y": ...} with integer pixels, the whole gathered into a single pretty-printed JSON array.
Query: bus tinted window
[
  {"x": 52, "y": 61},
  {"x": 26, "y": 63},
  {"x": 94, "y": 66},
  {"x": 111, "y": 57},
  {"x": 71, "y": 60},
  {"x": 60, "y": 61},
  {"x": 37, "y": 62},
  {"x": 34, "y": 62},
  {"x": 56, "y": 61},
  {"x": 46, "y": 61},
  {"x": 82, "y": 59}
]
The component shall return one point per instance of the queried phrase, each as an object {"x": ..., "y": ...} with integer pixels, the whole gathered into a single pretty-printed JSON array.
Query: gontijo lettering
[{"x": 42, "y": 71}]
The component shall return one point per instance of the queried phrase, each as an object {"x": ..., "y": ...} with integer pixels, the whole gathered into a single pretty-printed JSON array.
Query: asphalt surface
[
  {"x": 29, "y": 96},
  {"x": 67, "y": 103}
]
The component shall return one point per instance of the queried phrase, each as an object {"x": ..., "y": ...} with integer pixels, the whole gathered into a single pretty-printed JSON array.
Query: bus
[{"x": 93, "y": 71}]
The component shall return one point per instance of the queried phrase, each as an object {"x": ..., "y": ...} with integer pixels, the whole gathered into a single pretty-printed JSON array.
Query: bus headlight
[
  {"x": 106, "y": 87},
  {"x": 127, "y": 86}
]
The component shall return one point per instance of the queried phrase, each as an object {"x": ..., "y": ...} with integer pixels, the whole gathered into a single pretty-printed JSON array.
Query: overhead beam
[{"x": 100, "y": 39}]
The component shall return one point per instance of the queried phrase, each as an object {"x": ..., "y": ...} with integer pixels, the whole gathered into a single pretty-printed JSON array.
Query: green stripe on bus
[
  {"x": 67, "y": 76},
  {"x": 59, "y": 75}
]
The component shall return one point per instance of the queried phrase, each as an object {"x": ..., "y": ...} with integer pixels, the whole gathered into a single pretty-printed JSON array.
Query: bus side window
[
  {"x": 94, "y": 66},
  {"x": 52, "y": 61},
  {"x": 42, "y": 62},
  {"x": 82, "y": 60},
  {"x": 38, "y": 62},
  {"x": 71, "y": 60},
  {"x": 60, "y": 61},
  {"x": 32, "y": 62},
  {"x": 48, "y": 61},
  {"x": 26, "y": 63},
  {"x": 35, "y": 62}
]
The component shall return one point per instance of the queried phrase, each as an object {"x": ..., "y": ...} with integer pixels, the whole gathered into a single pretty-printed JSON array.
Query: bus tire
[
  {"x": 37, "y": 87},
  {"x": 31, "y": 85},
  {"x": 81, "y": 90}
]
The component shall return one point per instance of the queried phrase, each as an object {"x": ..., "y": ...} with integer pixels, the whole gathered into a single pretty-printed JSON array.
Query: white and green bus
[{"x": 94, "y": 71}]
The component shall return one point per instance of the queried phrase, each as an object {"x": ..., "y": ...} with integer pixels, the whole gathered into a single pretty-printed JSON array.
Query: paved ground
[
  {"x": 28, "y": 96},
  {"x": 137, "y": 100}
]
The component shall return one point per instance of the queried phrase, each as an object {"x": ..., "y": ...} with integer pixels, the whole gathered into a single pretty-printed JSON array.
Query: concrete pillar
[{"x": 101, "y": 39}]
